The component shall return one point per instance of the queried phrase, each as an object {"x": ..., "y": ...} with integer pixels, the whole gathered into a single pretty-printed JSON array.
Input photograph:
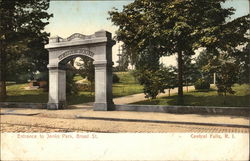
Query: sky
[{"x": 87, "y": 17}]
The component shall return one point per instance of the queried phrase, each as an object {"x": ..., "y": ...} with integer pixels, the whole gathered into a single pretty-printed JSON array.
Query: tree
[
  {"x": 243, "y": 60},
  {"x": 149, "y": 74},
  {"x": 228, "y": 53},
  {"x": 71, "y": 86},
  {"x": 176, "y": 26},
  {"x": 87, "y": 70},
  {"x": 227, "y": 69},
  {"x": 123, "y": 60},
  {"x": 170, "y": 74},
  {"x": 190, "y": 71},
  {"x": 156, "y": 81},
  {"x": 22, "y": 38},
  {"x": 201, "y": 61}
]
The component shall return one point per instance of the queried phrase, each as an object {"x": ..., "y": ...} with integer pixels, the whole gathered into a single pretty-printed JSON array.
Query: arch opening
[
  {"x": 66, "y": 60},
  {"x": 80, "y": 80}
]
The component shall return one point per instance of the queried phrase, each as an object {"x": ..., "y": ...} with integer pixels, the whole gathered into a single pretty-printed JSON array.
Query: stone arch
[{"x": 99, "y": 48}]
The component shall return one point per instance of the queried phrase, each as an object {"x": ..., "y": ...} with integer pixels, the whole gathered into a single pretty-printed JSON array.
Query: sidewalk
[{"x": 85, "y": 119}]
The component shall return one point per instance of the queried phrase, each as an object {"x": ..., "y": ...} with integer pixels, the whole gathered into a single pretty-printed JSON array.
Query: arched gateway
[{"x": 98, "y": 47}]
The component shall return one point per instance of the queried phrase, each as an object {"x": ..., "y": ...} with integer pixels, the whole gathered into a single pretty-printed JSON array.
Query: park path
[
  {"x": 141, "y": 96},
  {"x": 137, "y": 97}
]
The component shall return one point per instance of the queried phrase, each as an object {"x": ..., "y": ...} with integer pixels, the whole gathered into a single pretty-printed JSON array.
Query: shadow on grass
[
  {"x": 221, "y": 101},
  {"x": 80, "y": 98},
  {"x": 43, "y": 98},
  {"x": 204, "y": 90},
  {"x": 191, "y": 100},
  {"x": 31, "y": 98},
  {"x": 206, "y": 100}
]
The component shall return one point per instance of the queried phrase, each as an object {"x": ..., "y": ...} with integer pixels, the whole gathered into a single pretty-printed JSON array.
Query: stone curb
[
  {"x": 242, "y": 111},
  {"x": 162, "y": 121},
  {"x": 23, "y": 105},
  {"x": 20, "y": 114}
]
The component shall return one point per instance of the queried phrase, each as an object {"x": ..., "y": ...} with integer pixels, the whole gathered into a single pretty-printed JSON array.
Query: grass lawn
[
  {"x": 78, "y": 77},
  {"x": 127, "y": 86},
  {"x": 17, "y": 93},
  {"x": 210, "y": 98}
]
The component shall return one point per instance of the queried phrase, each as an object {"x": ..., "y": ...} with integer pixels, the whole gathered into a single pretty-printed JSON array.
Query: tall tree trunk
[
  {"x": 8, "y": 8},
  {"x": 247, "y": 66},
  {"x": 3, "y": 93},
  {"x": 180, "y": 77}
]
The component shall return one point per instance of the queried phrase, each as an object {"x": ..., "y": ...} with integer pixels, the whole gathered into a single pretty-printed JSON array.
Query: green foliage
[
  {"x": 191, "y": 71},
  {"x": 116, "y": 79},
  {"x": 151, "y": 29},
  {"x": 201, "y": 61},
  {"x": 243, "y": 60},
  {"x": 242, "y": 89},
  {"x": 226, "y": 70},
  {"x": 154, "y": 82},
  {"x": 71, "y": 86},
  {"x": 42, "y": 76},
  {"x": 208, "y": 98},
  {"x": 123, "y": 61},
  {"x": 201, "y": 84},
  {"x": 87, "y": 69},
  {"x": 226, "y": 78},
  {"x": 22, "y": 38},
  {"x": 20, "y": 78}
]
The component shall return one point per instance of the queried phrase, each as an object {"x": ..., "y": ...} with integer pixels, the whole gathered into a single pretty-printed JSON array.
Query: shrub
[
  {"x": 71, "y": 87},
  {"x": 201, "y": 84},
  {"x": 85, "y": 87},
  {"x": 42, "y": 76},
  {"x": 23, "y": 78},
  {"x": 116, "y": 79}
]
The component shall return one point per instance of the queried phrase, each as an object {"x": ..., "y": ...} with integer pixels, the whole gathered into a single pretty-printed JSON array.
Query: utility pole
[
  {"x": 214, "y": 78},
  {"x": 119, "y": 55}
]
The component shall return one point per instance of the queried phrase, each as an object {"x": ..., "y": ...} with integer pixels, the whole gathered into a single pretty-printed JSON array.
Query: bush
[
  {"x": 23, "y": 78},
  {"x": 85, "y": 87},
  {"x": 116, "y": 79},
  {"x": 201, "y": 84},
  {"x": 42, "y": 76},
  {"x": 71, "y": 87}
]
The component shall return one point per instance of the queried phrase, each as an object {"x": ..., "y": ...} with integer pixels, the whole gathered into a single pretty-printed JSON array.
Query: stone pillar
[
  {"x": 103, "y": 86},
  {"x": 57, "y": 88}
]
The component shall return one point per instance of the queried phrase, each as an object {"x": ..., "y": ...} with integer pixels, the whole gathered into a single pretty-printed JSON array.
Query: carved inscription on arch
[{"x": 76, "y": 52}]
